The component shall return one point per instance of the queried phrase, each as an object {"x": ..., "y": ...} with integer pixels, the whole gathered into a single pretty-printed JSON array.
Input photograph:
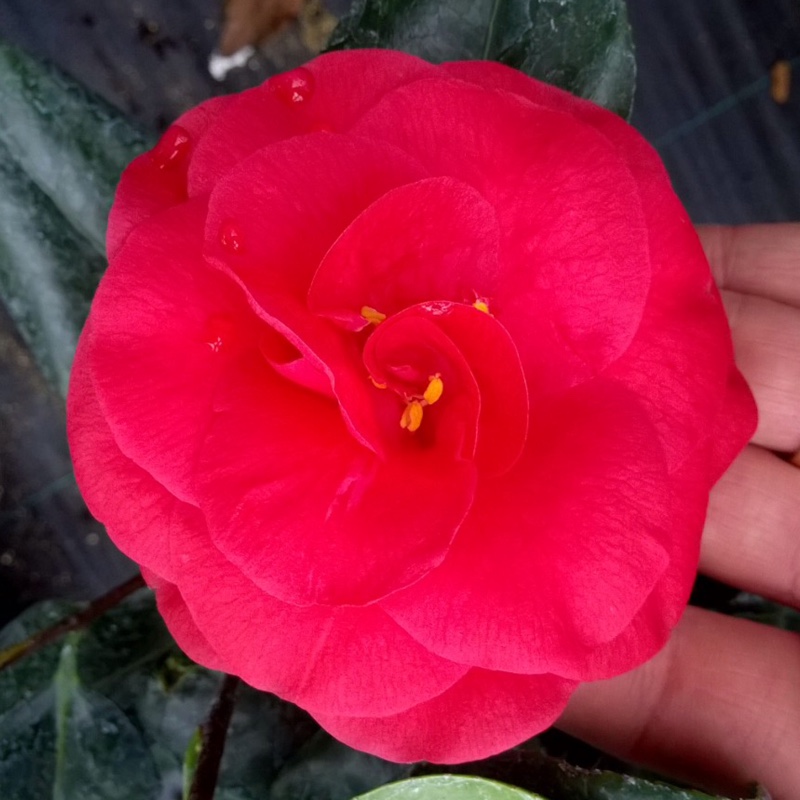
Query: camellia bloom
[{"x": 406, "y": 386}]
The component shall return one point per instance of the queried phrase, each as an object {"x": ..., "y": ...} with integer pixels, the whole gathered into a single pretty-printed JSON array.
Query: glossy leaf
[
  {"x": 71, "y": 143},
  {"x": 62, "y": 151},
  {"x": 583, "y": 46},
  {"x": 555, "y": 779},
  {"x": 109, "y": 713},
  {"x": 99, "y": 753},
  {"x": 328, "y": 770},
  {"x": 449, "y": 787}
]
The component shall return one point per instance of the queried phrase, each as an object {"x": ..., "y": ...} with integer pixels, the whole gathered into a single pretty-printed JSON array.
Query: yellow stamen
[
  {"x": 481, "y": 305},
  {"x": 434, "y": 390},
  {"x": 376, "y": 384},
  {"x": 412, "y": 416},
  {"x": 372, "y": 316}
]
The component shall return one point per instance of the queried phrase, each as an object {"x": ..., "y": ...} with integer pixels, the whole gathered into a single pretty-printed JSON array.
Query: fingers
[
  {"x": 752, "y": 535},
  {"x": 756, "y": 259},
  {"x": 766, "y": 337},
  {"x": 718, "y": 706}
]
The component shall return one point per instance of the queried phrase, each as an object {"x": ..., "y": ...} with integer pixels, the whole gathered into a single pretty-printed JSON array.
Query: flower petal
[
  {"x": 340, "y": 661},
  {"x": 651, "y": 627},
  {"x": 575, "y": 281},
  {"x": 481, "y": 715},
  {"x": 482, "y": 347},
  {"x": 142, "y": 518},
  {"x": 156, "y": 180},
  {"x": 176, "y": 614},
  {"x": 558, "y": 555},
  {"x": 309, "y": 514},
  {"x": 434, "y": 239},
  {"x": 163, "y": 325},
  {"x": 262, "y": 116},
  {"x": 257, "y": 227}
]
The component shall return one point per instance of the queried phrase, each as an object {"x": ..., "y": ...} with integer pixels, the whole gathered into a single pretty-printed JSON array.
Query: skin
[{"x": 720, "y": 705}]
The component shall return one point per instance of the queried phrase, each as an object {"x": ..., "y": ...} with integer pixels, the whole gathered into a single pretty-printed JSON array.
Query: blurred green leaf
[
  {"x": 449, "y": 787},
  {"x": 48, "y": 271},
  {"x": 758, "y": 609},
  {"x": 109, "y": 713},
  {"x": 583, "y": 46},
  {"x": 99, "y": 753},
  {"x": 530, "y": 769},
  {"x": 59, "y": 736},
  {"x": 71, "y": 143},
  {"x": 328, "y": 770},
  {"x": 62, "y": 150}
]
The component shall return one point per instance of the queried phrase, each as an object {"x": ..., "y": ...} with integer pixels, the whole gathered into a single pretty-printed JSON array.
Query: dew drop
[
  {"x": 219, "y": 333},
  {"x": 230, "y": 237},
  {"x": 173, "y": 147},
  {"x": 293, "y": 87}
]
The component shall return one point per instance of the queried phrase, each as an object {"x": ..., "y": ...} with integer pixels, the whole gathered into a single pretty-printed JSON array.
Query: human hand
[{"x": 720, "y": 705}]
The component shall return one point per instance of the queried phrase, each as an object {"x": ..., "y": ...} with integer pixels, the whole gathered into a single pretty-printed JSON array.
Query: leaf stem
[
  {"x": 73, "y": 622},
  {"x": 212, "y": 741}
]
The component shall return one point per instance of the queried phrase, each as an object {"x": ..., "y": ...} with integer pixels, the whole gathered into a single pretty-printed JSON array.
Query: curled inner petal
[{"x": 432, "y": 345}]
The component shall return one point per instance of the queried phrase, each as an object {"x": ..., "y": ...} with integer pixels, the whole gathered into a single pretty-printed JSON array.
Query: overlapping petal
[
  {"x": 157, "y": 180},
  {"x": 406, "y": 387},
  {"x": 276, "y": 110},
  {"x": 143, "y": 518},
  {"x": 443, "y": 246},
  {"x": 314, "y": 656},
  {"x": 574, "y": 282},
  {"x": 257, "y": 228},
  {"x": 163, "y": 326},
  {"x": 483, "y": 714},
  {"x": 559, "y": 555},
  {"x": 309, "y": 514},
  {"x": 187, "y": 635}
]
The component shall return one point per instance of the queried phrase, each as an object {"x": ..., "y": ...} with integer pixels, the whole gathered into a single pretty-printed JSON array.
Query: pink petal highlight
[
  {"x": 306, "y": 512},
  {"x": 443, "y": 246},
  {"x": 481, "y": 715}
]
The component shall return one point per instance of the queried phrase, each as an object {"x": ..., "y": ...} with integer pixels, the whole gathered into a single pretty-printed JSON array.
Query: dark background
[{"x": 703, "y": 99}]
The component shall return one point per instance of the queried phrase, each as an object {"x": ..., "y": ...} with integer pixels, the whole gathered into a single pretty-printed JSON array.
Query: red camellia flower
[{"x": 406, "y": 386}]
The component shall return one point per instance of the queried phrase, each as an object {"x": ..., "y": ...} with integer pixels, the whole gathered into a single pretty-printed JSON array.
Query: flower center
[
  {"x": 414, "y": 411},
  {"x": 412, "y": 415}
]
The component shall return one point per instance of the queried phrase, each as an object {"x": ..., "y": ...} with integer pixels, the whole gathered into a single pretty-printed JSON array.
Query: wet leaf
[
  {"x": 328, "y": 770},
  {"x": 583, "y": 46},
  {"x": 62, "y": 150}
]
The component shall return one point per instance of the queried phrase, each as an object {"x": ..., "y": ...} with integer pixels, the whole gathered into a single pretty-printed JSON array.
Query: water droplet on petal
[
  {"x": 293, "y": 87},
  {"x": 219, "y": 333},
  {"x": 230, "y": 237},
  {"x": 173, "y": 147}
]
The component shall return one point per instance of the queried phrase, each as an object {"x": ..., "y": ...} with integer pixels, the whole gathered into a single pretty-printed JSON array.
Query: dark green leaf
[
  {"x": 583, "y": 46},
  {"x": 99, "y": 754},
  {"x": 61, "y": 738},
  {"x": 125, "y": 700},
  {"x": 22, "y": 685},
  {"x": 751, "y": 606},
  {"x": 62, "y": 151},
  {"x": 328, "y": 770},
  {"x": 191, "y": 760},
  {"x": 72, "y": 144},
  {"x": 48, "y": 271}
]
